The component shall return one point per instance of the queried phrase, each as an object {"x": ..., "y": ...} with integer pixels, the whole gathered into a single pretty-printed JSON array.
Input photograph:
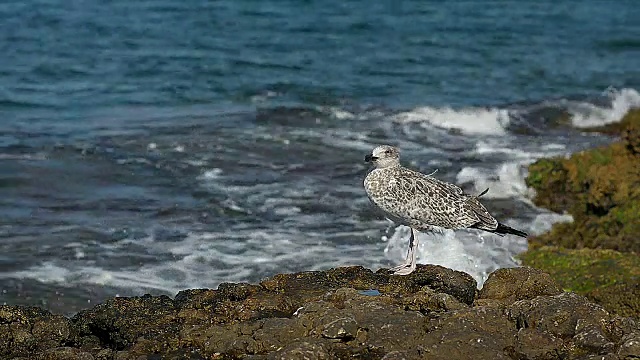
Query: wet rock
[
  {"x": 440, "y": 279},
  {"x": 602, "y": 357},
  {"x": 26, "y": 330},
  {"x": 591, "y": 339},
  {"x": 599, "y": 188},
  {"x": 397, "y": 355},
  {"x": 630, "y": 348},
  {"x": 606, "y": 277},
  {"x": 534, "y": 344},
  {"x": 119, "y": 322},
  {"x": 314, "y": 283},
  {"x": 513, "y": 284},
  {"x": 276, "y": 333},
  {"x": 427, "y": 300},
  {"x": 65, "y": 353},
  {"x": 558, "y": 315},
  {"x": 475, "y": 333},
  {"x": 344, "y": 329},
  {"x": 304, "y": 350},
  {"x": 341, "y": 318},
  {"x": 378, "y": 323},
  {"x": 621, "y": 299},
  {"x": 232, "y": 303}
]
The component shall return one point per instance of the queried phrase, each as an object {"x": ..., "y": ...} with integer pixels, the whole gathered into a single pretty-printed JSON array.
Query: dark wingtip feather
[
  {"x": 504, "y": 229},
  {"x": 482, "y": 193}
]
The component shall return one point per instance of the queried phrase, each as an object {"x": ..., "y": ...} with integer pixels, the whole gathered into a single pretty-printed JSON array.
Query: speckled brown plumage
[{"x": 423, "y": 202}]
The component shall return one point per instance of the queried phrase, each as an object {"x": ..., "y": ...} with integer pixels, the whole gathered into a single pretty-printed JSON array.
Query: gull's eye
[{"x": 388, "y": 151}]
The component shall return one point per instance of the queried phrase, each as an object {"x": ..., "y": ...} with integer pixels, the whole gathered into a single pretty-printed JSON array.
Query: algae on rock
[
  {"x": 596, "y": 254},
  {"x": 600, "y": 188},
  {"x": 608, "y": 277}
]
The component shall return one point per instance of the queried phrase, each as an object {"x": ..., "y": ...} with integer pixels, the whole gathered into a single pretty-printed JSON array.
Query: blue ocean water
[{"x": 153, "y": 146}]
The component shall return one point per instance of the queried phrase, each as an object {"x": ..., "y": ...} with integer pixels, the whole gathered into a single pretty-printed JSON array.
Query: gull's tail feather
[{"x": 504, "y": 229}]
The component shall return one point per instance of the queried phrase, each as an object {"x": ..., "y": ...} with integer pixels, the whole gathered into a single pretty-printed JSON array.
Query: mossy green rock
[
  {"x": 608, "y": 277},
  {"x": 597, "y": 254},
  {"x": 600, "y": 188}
]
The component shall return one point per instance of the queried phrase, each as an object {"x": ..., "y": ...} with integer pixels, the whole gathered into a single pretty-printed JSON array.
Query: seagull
[{"x": 423, "y": 202}]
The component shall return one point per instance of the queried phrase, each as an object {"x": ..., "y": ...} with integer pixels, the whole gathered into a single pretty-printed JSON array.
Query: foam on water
[
  {"x": 543, "y": 222},
  {"x": 468, "y": 251},
  {"x": 204, "y": 260},
  {"x": 483, "y": 121},
  {"x": 505, "y": 182},
  {"x": 295, "y": 238},
  {"x": 474, "y": 252},
  {"x": 505, "y": 146},
  {"x": 584, "y": 114},
  {"x": 507, "y": 179}
]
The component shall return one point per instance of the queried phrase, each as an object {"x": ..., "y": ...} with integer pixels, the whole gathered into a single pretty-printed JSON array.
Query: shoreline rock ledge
[{"x": 342, "y": 313}]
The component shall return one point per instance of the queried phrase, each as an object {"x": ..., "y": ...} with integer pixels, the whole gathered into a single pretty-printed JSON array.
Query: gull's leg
[
  {"x": 407, "y": 261},
  {"x": 411, "y": 266}
]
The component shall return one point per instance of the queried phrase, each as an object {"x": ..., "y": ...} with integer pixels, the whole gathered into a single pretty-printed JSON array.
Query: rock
[
  {"x": 535, "y": 344},
  {"x": 396, "y": 355},
  {"x": 314, "y": 283},
  {"x": 303, "y": 350},
  {"x": 275, "y": 333},
  {"x": 591, "y": 339},
  {"x": 232, "y": 303},
  {"x": 27, "y": 330},
  {"x": 630, "y": 348},
  {"x": 440, "y": 279},
  {"x": 631, "y": 138},
  {"x": 429, "y": 315},
  {"x": 621, "y": 299},
  {"x": 119, "y": 322},
  {"x": 558, "y": 315},
  {"x": 608, "y": 277},
  {"x": 427, "y": 300},
  {"x": 602, "y": 357},
  {"x": 65, "y": 353},
  {"x": 344, "y": 329},
  {"x": 513, "y": 284},
  {"x": 378, "y": 322},
  {"x": 599, "y": 188},
  {"x": 478, "y": 332}
]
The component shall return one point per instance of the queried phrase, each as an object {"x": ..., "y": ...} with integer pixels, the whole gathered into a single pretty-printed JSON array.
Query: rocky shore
[
  {"x": 597, "y": 254},
  {"x": 578, "y": 298},
  {"x": 343, "y": 313}
]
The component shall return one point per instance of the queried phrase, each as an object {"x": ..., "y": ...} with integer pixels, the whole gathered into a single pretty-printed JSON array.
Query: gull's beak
[{"x": 370, "y": 158}]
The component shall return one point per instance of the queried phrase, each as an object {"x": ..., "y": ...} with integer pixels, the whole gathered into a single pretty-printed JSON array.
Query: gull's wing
[{"x": 420, "y": 200}]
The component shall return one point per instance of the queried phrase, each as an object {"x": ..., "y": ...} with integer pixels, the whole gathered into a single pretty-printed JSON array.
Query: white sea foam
[
  {"x": 244, "y": 253},
  {"x": 584, "y": 115},
  {"x": 506, "y": 147},
  {"x": 477, "y": 254},
  {"x": 543, "y": 222},
  {"x": 211, "y": 174},
  {"x": 204, "y": 260},
  {"x": 338, "y": 113},
  {"x": 505, "y": 182},
  {"x": 479, "y": 121},
  {"x": 34, "y": 157}
]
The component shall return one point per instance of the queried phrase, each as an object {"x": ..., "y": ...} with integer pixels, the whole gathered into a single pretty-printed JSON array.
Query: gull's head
[{"x": 384, "y": 156}]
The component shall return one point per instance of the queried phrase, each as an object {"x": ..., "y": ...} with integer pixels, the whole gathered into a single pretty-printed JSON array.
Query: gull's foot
[
  {"x": 401, "y": 266},
  {"x": 408, "y": 269}
]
